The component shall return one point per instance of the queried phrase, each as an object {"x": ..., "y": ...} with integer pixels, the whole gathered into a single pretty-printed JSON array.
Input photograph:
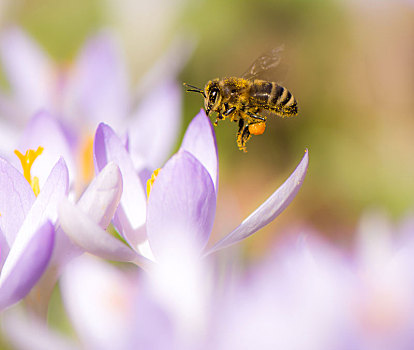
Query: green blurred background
[{"x": 350, "y": 66}]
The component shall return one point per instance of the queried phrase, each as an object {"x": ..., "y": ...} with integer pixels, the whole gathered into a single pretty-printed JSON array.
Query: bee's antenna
[{"x": 194, "y": 89}]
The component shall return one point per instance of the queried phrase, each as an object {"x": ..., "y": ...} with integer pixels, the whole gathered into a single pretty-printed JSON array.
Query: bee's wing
[{"x": 265, "y": 62}]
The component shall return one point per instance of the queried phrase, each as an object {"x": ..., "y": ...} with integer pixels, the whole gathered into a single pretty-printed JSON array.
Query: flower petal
[
  {"x": 102, "y": 196},
  {"x": 88, "y": 235},
  {"x": 131, "y": 213},
  {"x": 27, "y": 260},
  {"x": 28, "y": 70},
  {"x": 46, "y": 203},
  {"x": 269, "y": 210},
  {"x": 200, "y": 141},
  {"x": 156, "y": 124},
  {"x": 45, "y": 131},
  {"x": 99, "y": 89},
  {"x": 99, "y": 300},
  {"x": 45, "y": 206},
  {"x": 99, "y": 202},
  {"x": 24, "y": 330},
  {"x": 181, "y": 205},
  {"x": 15, "y": 201}
]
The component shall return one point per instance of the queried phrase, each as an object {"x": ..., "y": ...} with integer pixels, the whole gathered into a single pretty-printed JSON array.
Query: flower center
[
  {"x": 151, "y": 180},
  {"x": 27, "y": 161}
]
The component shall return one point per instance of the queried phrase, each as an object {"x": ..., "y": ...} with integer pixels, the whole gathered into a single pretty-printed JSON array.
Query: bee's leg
[
  {"x": 241, "y": 125},
  {"x": 255, "y": 116},
  {"x": 243, "y": 135},
  {"x": 219, "y": 117},
  {"x": 230, "y": 112}
]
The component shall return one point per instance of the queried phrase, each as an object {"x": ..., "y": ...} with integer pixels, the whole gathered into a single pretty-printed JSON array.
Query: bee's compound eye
[
  {"x": 213, "y": 95},
  {"x": 257, "y": 128}
]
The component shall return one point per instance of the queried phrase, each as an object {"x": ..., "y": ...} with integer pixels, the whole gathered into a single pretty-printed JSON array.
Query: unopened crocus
[{"x": 180, "y": 205}]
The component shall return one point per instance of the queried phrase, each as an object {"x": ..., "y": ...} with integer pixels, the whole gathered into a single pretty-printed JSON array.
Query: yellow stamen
[
  {"x": 27, "y": 161},
  {"x": 151, "y": 181}
]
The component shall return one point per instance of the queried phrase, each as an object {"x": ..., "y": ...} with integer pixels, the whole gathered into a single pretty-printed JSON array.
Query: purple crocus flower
[
  {"x": 26, "y": 228},
  {"x": 95, "y": 88},
  {"x": 180, "y": 207}
]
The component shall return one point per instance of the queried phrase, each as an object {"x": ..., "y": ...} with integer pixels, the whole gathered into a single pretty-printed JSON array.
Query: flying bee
[{"x": 247, "y": 100}]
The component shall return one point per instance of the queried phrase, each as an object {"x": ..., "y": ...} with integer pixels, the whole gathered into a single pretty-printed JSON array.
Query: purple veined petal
[
  {"x": 181, "y": 206},
  {"x": 269, "y": 210},
  {"x": 102, "y": 196},
  {"x": 131, "y": 213},
  {"x": 99, "y": 88},
  {"x": 46, "y": 203},
  {"x": 16, "y": 199},
  {"x": 89, "y": 236},
  {"x": 26, "y": 262},
  {"x": 4, "y": 249},
  {"x": 99, "y": 202},
  {"x": 156, "y": 124},
  {"x": 200, "y": 141},
  {"x": 28, "y": 69},
  {"x": 44, "y": 130},
  {"x": 99, "y": 300}
]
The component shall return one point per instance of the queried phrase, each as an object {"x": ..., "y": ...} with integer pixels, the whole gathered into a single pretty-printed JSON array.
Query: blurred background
[{"x": 349, "y": 64}]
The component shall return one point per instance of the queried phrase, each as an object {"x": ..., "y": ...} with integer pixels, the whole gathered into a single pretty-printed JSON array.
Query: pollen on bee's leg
[
  {"x": 27, "y": 161},
  {"x": 151, "y": 180},
  {"x": 257, "y": 128}
]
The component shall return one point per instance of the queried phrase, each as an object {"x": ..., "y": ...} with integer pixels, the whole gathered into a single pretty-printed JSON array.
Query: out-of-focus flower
[
  {"x": 305, "y": 295},
  {"x": 383, "y": 299},
  {"x": 27, "y": 231},
  {"x": 181, "y": 204},
  {"x": 95, "y": 88}
]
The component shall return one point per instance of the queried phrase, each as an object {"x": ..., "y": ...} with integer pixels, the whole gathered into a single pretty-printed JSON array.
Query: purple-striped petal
[
  {"x": 28, "y": 70},
  {"x": 131, "y": 213},
  {"x": 16, "y": 198},
  {"x": 156, "y": 124},
  {"x": 26, "y": 262},
  {"x": 269, "y": 210},
  {"x": 89, "y": 236},
  {"x": 181, "y": 206},
  {"x": 200, "y": 140},
  {"x": 99, "y": 88}
]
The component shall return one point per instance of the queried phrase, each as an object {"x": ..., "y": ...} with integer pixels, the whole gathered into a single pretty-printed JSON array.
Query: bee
[{"x": 248, "y": 100}]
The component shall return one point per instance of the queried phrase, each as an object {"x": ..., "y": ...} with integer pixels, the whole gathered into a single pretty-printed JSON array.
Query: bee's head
[
  {"x": 211, "y": 93},
  {"x": 212, "y": 96}
]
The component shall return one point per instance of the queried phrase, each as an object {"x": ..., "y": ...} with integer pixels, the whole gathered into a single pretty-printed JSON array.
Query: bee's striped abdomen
[
  {"x": 274, "y": 98},
  {"x": 282, "y": 102}
]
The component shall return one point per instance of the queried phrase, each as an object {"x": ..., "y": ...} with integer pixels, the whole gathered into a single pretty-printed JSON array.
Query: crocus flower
[
  {"x": 93, "y": 89},
  {"x": 27, "y": 229},
  {"x": 181, "y": 204}
]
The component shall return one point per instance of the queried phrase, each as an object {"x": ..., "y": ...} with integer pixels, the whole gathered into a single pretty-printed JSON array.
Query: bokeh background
[{"x": 348, "y": 63}]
